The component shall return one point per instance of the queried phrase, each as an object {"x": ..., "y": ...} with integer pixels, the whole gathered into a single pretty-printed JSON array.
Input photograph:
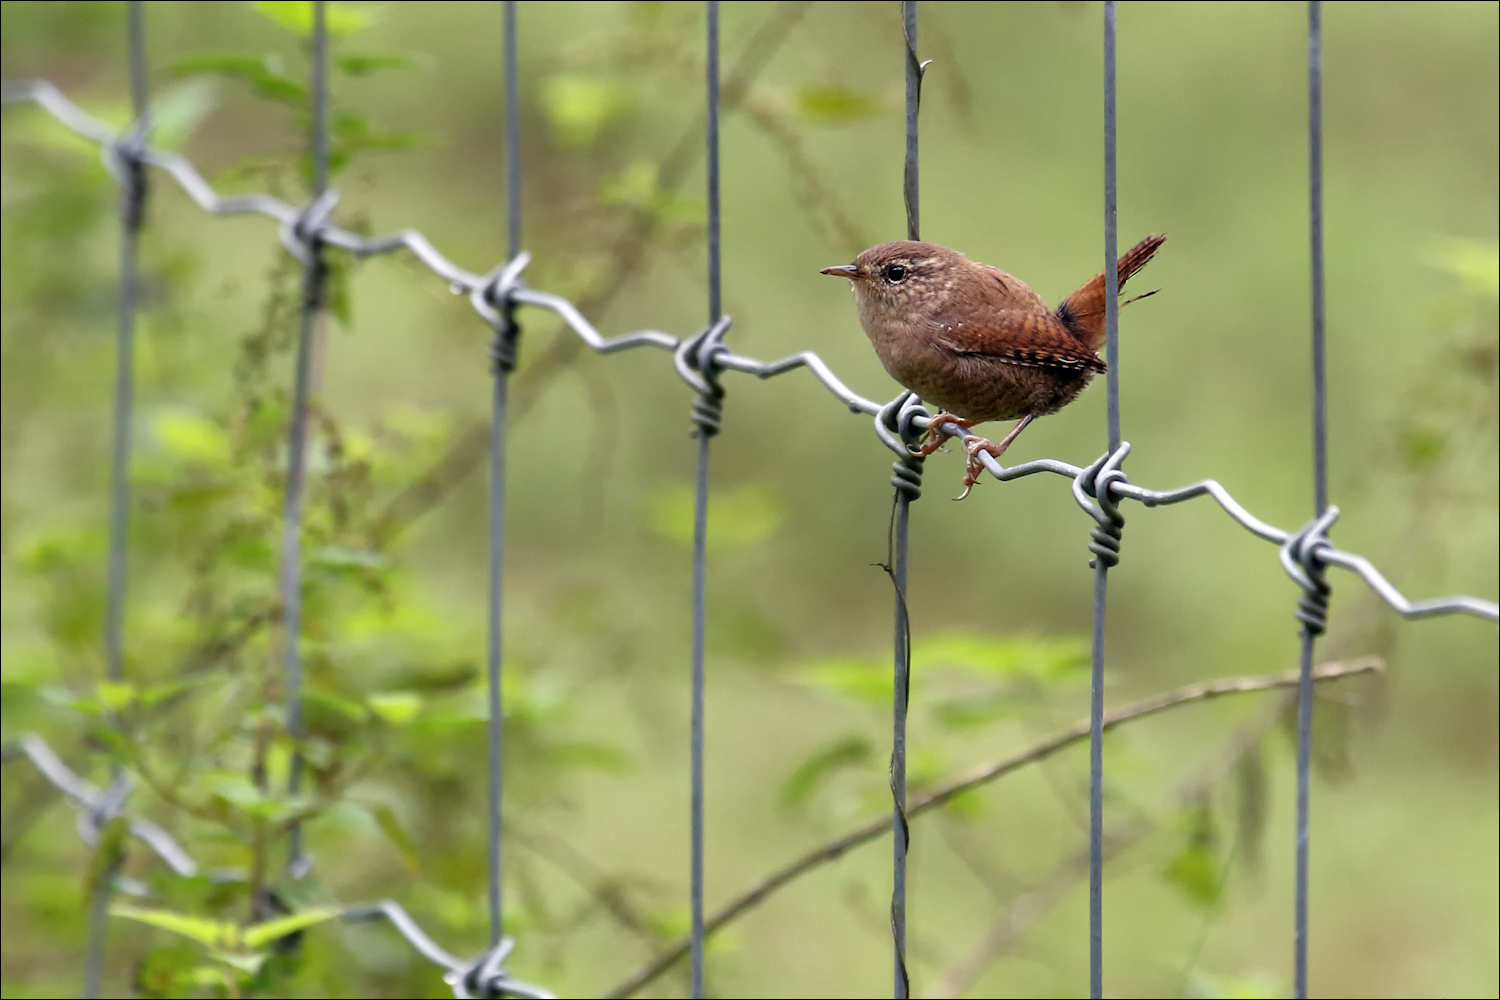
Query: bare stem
[{"x": 983, "y": 775}]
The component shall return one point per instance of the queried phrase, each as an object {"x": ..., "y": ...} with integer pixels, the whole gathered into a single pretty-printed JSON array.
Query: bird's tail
[{"x": 1083, "y": 311}]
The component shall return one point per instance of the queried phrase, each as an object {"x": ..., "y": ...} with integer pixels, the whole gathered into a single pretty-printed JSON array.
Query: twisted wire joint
[
  {"x": 1302, "y": 558},
  {"x": 1093, "y": 489}
]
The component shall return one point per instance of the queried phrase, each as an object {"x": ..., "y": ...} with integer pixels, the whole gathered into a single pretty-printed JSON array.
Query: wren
[{"x": 979, "y": 342}]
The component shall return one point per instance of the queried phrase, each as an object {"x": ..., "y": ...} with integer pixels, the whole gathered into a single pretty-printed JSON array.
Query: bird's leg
[
  {"x": 934, "y": 438},
  {"x": 974, "y": 444}
]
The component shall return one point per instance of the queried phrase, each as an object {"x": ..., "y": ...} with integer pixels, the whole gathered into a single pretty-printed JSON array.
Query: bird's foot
[
  {"x": 974, "y": 446},
  {"x": 935, "y": 438}
]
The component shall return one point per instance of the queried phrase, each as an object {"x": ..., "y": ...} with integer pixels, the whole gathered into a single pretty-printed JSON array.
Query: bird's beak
[{"x": 842, "y": 271}]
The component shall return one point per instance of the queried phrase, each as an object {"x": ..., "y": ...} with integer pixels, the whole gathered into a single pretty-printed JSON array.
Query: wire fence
[{"x": 308, "y": 233}]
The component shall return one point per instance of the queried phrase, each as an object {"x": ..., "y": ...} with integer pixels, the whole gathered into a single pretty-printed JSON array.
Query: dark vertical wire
[
  {"x": 700, "y": 509},
  {"x": 1320, "y": 470},
  {"x": 132, "y": 207},
  {"x": 291, "y": 539},
  {"x": 901, "y": 687},
  {"x": 1101, "y": 567},
  {"x": 504, "y": 359}
]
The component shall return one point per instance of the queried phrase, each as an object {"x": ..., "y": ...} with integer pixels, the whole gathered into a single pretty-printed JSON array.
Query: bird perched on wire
[{"x": 978, "y": 342}]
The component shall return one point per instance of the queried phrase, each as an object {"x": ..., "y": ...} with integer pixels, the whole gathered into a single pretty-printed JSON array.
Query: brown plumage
[{"x": 976, "y": 341}]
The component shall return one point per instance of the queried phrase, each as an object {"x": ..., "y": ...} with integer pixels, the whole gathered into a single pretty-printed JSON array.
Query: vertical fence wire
[
  {"x": 900, "y": 523},
  {"x": 503, "y": 362},
  {"x": 1101, "y": 565},
  {"x": 132, "y": 209},
  {"x": 1320, "y": 472},
  {"x": 700, "y": 507},
  {"x": 291, "y": 540}
]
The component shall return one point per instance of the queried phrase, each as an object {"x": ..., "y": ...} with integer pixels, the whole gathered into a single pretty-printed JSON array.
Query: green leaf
[
  {"x": 1195, "y": 868},
  {"x": 973, "y": 712},
  {"x": 579, "y": 106},
  {"x": 297, "y": 16},
  {"x": 208, "y": 932},
  {"x": 738, "y": 518},
  {"x": 396, "y": 707},
  {"x": 1056, "y": 658},
  {"x": 801, "y": 783},
  {"x": 178, "y": 111},
  {"x": 390, "y": 825},
  {"x": 115, "y": 695},
  {"x": 1257, "y": 986},
  {"x": 339, "y": 557},
  {"x": 247, "y": 964},
  {"x": 366, "y": 63},
  {"x": 232, "y": 64},
  {"x": 865, "y": 680},
  {"x": 1475, "y": 262},
  {"x": 192, "y": 438},
  {"x": 262, "y": 934},
  {"x": 835, "y": 105},
  {"x": 238, "y": 791}
]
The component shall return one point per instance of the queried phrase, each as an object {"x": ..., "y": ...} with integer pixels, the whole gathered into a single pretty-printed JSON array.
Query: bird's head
[{"x": 903, "y": 277}]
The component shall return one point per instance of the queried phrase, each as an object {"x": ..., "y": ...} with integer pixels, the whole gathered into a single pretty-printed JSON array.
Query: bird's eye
[{"x": 895, "y": 272}]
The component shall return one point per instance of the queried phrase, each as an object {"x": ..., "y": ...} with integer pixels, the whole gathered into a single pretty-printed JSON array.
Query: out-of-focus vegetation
[{"x": 1215, "y": 383}]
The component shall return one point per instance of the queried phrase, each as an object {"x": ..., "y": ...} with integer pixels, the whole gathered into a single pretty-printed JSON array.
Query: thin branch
[{"x": 837, "y": 848}]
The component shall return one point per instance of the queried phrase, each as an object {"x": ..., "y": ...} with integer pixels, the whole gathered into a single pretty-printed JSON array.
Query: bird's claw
[
  {"x": 975, "y": 468},
  {"x": 934, "y": 439}
]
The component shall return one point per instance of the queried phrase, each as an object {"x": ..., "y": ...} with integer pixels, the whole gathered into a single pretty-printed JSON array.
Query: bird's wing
[
  {"x": 1001, "y": 292},
  {"x": 1029, "y": 339}
]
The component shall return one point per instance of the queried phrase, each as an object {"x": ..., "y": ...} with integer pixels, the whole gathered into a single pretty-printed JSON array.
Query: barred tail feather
[{"x": 1083, "y": 311}]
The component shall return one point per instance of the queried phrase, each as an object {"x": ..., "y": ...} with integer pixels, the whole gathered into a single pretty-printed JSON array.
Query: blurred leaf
[
  {"x": 1258, "y": 986},
  {"x": 178, "y": 110},
  {"x": 737, "y": 518},
  {"x": 972, "y": 712},
  {"x": 339, "y": 557},
  {"x": 804, "y": 780},
  {"x": 1055, "y": 658},
  {"x": 1195, "y": 868},
  {"x": 208, "y": 932},
  {"x": 262, "y": 934},
  {"x": 366, "y": 63},
  {"x": 1476, "y": 262},
  {"x": 583, "y": 753},
  {"x": 861, "y": 679},
  {"x": 297, "y": 15},
  {"x": 835, "y": 105},
  {"x": 192, "y": 438},
  {"x": 579, "y": 106},
  {"x": 115, "y": 695},
  {"x": 262, "y": 73},
  {"x": 386, "y": 819},
  {"x": 396, "y": 707}
]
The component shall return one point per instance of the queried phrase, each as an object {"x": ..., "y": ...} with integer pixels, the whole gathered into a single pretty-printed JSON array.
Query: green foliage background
[{"x": 1214, "y": 376}]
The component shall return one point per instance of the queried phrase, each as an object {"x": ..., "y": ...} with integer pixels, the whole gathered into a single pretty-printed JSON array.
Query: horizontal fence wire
[
  {"x": 307, "y": 231},
  {"x": 181, "y": 170}
]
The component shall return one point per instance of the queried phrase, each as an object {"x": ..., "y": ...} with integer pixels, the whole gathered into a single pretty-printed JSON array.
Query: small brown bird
[{"x": 977, "y": 341}]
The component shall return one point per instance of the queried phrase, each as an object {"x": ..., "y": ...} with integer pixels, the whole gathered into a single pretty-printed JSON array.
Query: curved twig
[{"x": 983, "y": 775}]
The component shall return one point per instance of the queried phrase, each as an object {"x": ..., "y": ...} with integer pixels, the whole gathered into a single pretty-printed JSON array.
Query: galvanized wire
[
  {"x": 125, "y": 160},
  {"x": 907, "y": 482},
  {"x": 306, "y": 234},
  {"x": 503, "y": 362},
  {"x": 1106, "y": 557},
  {"x": 707, "y": 412},
  {"x": 700, "y": 358},
  {"x": 1315, "y": 602}
]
